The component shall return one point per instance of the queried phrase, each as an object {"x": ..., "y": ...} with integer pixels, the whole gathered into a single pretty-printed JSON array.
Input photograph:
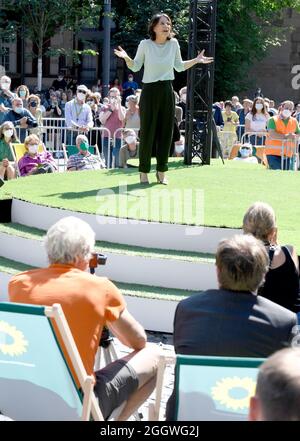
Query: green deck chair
[
  {"x": 209, "y": 388},
  {"x": 35, "y": 381},
  {"x": 214, "y": 388}
]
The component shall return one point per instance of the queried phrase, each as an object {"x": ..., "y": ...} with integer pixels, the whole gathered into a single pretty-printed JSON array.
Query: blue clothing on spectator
[
  {"x": 15, "y": 117},
  {"x": 130, "y": 85},
  {"x": 6, "y": 101},
  {"x": 218, "y": 115}
]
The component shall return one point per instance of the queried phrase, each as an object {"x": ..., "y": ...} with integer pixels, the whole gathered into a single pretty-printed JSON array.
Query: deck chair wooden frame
[
  {"x": 55, "y": 316},
  {"x": 189, "y": 360}
]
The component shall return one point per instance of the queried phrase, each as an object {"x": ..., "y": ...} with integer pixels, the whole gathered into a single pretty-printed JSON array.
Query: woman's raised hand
[
  {"x": 120, "y": 52},
  {"x": 204, "y": 60}
]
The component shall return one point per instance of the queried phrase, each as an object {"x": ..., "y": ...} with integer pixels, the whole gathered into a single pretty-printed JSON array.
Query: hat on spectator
[{"x": 82, "y": 87}]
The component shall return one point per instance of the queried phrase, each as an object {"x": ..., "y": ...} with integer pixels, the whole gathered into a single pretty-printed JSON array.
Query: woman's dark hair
[{"x": 153, "y": 22}]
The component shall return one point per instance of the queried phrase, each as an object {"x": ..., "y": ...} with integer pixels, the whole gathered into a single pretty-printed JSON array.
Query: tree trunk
[{"x": 40, "y": 73}]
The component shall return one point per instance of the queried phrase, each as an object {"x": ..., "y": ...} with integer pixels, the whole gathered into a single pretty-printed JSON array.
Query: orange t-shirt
[{"x": 87, "y": 301}]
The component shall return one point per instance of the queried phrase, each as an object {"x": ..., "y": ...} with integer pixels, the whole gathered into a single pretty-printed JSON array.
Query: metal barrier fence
[
  {"x": 53, "y": 136},
  {"x": 288, "y": 148}
]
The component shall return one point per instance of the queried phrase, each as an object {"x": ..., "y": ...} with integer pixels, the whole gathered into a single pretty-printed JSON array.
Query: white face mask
[
  {"x": 259, "y": 106},
  {"x": 33, "y": 148},
  {"x": 8, "y": 133},
  {"x": 130, "y": 139},
  {"x": 18, "y": 109},
  {"x": 286, "y": 113},
  {"x": 179, "y": 148},
  {"x": 81, "y": 96},
  {"x": 245, "y": 153},
  {"x": 5, "y": 86}
]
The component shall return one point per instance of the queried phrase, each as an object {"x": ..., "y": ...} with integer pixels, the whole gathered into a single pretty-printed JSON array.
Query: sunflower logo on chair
[
  {"x": 17, "y": 346},
  {"x": 228, "y": 392}
]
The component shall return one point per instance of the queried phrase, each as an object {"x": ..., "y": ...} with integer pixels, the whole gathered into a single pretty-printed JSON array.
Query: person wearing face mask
[
  {"x": 130, "y": 149},
  {"x": 78, "y": 114},
  {"x": 160, "y": 55},
  {"x": 84, "y": 159},
  {"x": 6, "y": 96},
  {"x": 245, "y": 154},
  {"x": 34, "y": 103},
  {"x": 256, "y": 122},
  {"x": 112, "y": 117},
  {"x": 283, "y": 137},
  {"x": 179, "y": 147},
  {"x": 132, "y": 116},
  {"x": 129, "y": 88},
  {"x": 23, "y": 92},
  {"x": 7, "y": 137},
  {"x": 34, "y": 162},
  {"x": 20, "y": 117},
  {"x": 93, "y": 101}
]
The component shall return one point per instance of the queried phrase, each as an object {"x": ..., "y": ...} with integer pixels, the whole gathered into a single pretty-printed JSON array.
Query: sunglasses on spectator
[{"x": 81, "y": 91}]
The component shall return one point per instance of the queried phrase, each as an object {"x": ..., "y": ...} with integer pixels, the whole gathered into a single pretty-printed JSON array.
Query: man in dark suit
[{"x": 232, "y": 320}]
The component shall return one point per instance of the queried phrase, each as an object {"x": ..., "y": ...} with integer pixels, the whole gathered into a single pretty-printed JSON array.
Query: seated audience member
[
  {"x": 20, "y": 117},
  {"x": 89, "y": 303},
  {"x": 277, "y": 396},
  {"x": 179, "y": 147},
  {"x": 84, "y": 160},
  {"x": 7, "y": 137},
  {"x": 283, "y": 137},
  {"x": 34, "y": 162},
  {"x": 282, "y": 280},
  {"x": 130, "y": 149},
  {"x": 233, "y": 320},
  {"x": 245, "y": 154}
]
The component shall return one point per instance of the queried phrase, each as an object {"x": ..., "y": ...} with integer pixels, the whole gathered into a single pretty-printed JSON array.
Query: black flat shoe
[{"x": 163, "y": 181}]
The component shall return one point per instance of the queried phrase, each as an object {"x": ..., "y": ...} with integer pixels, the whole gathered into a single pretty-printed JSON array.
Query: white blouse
[{"x": 159, "y": 60}]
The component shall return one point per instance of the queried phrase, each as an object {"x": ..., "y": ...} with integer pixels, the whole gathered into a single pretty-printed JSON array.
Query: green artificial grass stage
[{"x": 228, "y": 191}]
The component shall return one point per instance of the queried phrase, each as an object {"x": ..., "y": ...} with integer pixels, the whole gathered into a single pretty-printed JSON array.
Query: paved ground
[{"x": 165, "y": 341}]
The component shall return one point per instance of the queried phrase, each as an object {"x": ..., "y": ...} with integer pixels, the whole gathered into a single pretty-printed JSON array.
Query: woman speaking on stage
[{"x": 160, "y": 55}]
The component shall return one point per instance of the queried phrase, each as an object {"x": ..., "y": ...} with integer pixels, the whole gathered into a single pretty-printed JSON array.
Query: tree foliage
[{"x": 246, "y": 29}]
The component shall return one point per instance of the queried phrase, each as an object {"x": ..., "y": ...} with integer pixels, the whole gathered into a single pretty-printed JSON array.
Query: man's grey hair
[
  {"x": 68, "y": 240},
  {"x": 278, "y": 386},
  {"x": 81, "y": 138}
]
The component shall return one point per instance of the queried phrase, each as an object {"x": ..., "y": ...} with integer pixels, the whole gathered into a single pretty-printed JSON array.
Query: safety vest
[{"x": 275, "y": 146}]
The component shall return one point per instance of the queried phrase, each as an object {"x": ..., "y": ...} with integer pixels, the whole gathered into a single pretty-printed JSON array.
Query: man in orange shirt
[{"x": 90, "y": 302}]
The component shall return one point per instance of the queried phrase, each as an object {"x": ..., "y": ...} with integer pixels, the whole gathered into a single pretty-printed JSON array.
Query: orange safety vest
[{"x": 275, "y": 146}]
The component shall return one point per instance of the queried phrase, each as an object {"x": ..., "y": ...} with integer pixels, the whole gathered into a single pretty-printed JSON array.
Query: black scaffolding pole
[{"x": 200, "y": 82}]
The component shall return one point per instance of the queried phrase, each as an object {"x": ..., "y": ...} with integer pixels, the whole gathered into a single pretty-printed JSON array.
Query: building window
[{"x": 4, "y": 57}]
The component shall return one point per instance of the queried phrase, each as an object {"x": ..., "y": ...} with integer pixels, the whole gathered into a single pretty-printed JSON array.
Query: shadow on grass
[{"x": 117, "y": 190}]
